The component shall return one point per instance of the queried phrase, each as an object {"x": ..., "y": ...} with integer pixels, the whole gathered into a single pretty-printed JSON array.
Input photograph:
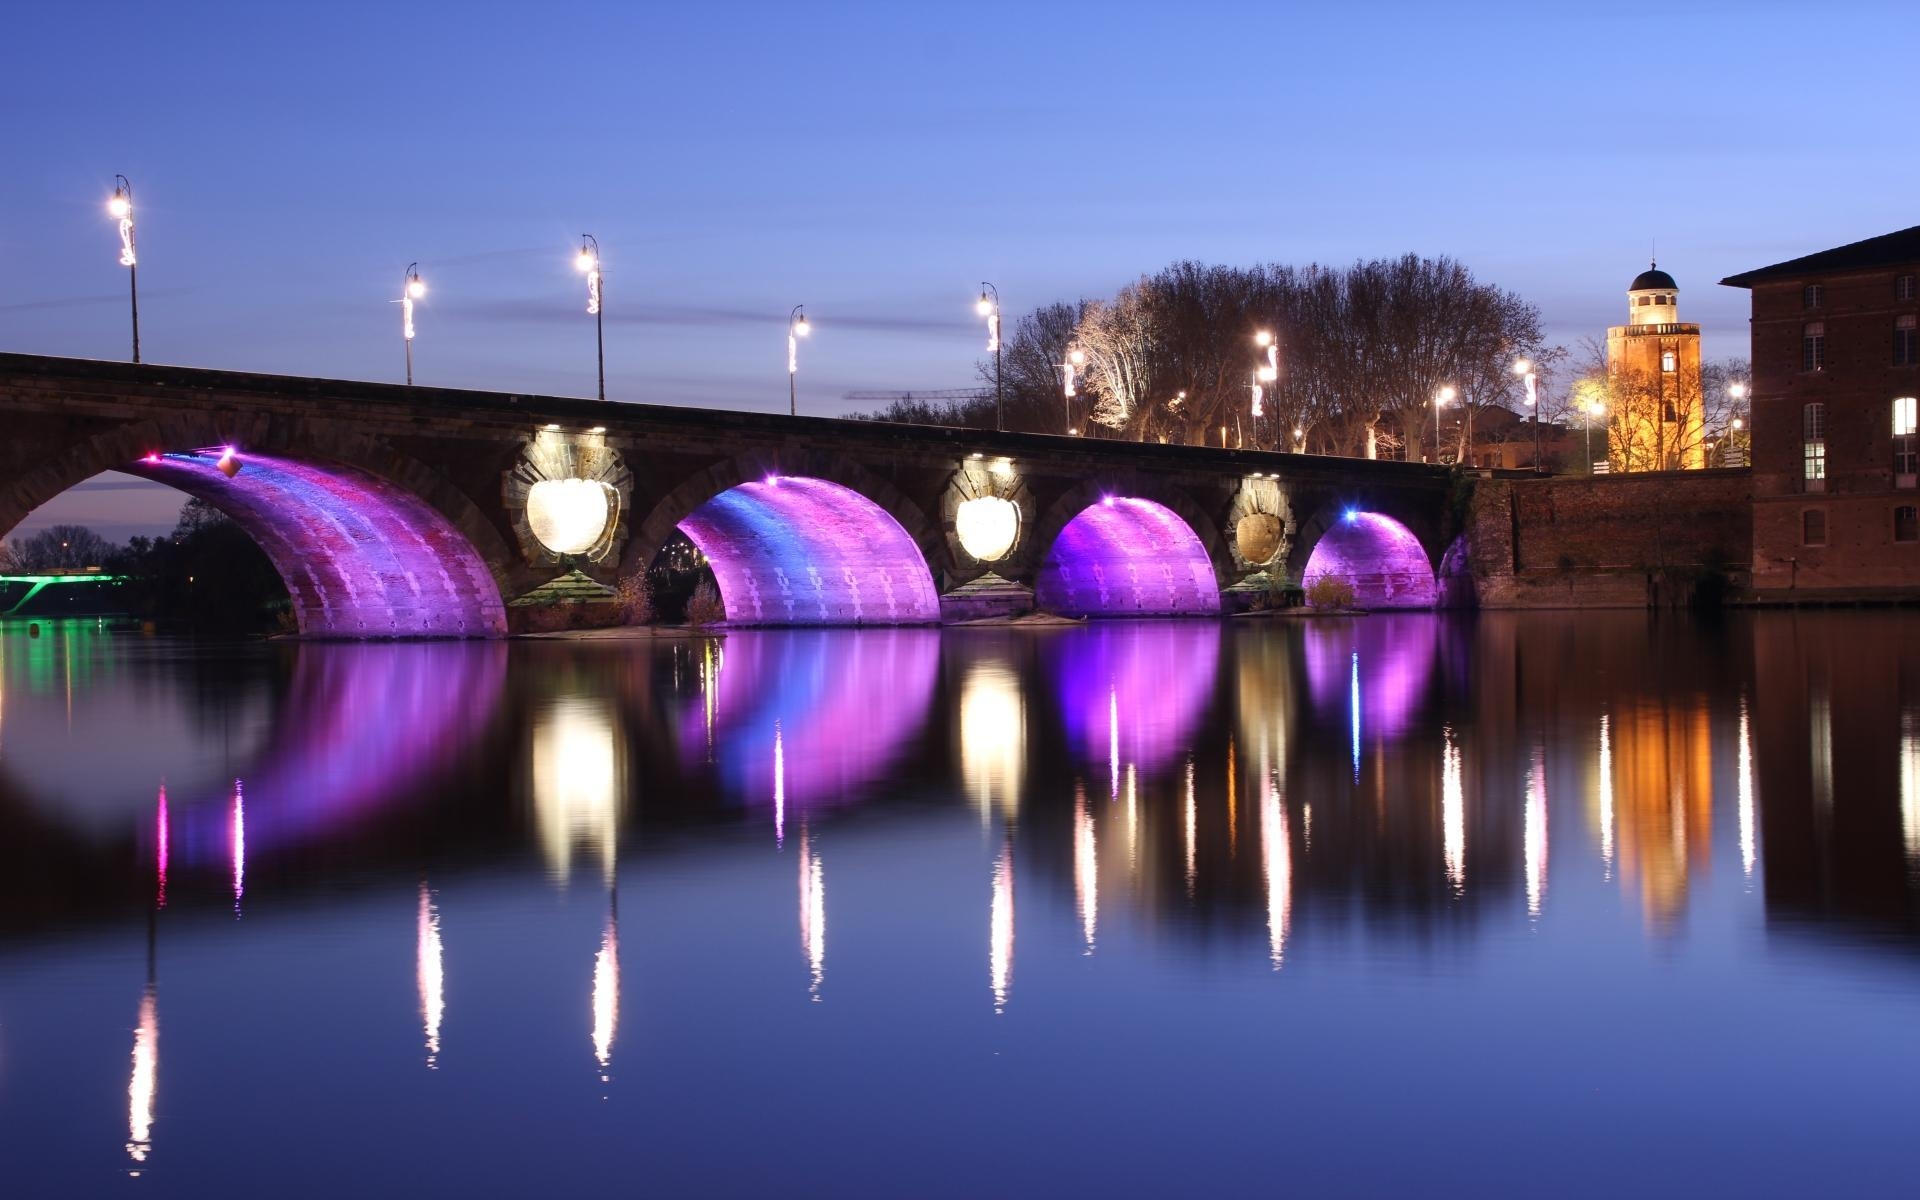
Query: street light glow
[
  {"x": 1737, "y": 390},
  {"x": 1443, "y": 396},
  {"x": 1263, "y": 338},
  {"x": 1523, "y": 367}
]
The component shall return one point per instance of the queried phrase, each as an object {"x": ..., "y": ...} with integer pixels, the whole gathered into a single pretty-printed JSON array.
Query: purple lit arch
[
  {"x": 361, "y": 557},
  {"x": 1127, "y": 556},
  {"x": 806, "y": 540},
  {"x": 1383, "y": 560}
]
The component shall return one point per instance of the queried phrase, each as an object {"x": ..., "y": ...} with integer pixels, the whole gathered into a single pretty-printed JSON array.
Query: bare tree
[{"x": 62, "y": 547}]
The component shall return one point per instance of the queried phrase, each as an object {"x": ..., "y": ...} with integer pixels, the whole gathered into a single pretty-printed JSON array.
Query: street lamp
[
  {"x": 1076, "y": 359},
  {"x": 1266, "y": 373},
  {"x": 797, "y": 328},
  {"x": 588, "y": 261},
  {"x": 120, "y": 208},
  {"x": 1738, "y": 391},
  {"x": 990, "y": 309},
  {"x": 1524, "y": 370},
  {"x": 411, "y": 289},
  {"x": 1440, "y": 400},
  {"x": 1593, "y": 408}
]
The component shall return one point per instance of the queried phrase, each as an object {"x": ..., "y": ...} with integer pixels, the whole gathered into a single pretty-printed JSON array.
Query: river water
[{"x": 1517, "y": 904}]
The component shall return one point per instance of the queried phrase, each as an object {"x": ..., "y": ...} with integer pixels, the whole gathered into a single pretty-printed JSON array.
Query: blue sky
[{"x": 876, "y": 161}]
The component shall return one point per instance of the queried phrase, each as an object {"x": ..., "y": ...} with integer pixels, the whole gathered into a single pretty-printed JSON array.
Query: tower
[{"x": 1658, "y": 420}]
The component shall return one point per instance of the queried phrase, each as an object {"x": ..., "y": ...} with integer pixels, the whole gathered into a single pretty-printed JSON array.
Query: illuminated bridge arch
[
  {"x": 800, "y": 538},
  {"x": 1121, "y": 547},
  {"x": 1386, "y": 561},
  {"x": 370, "y": 543}
]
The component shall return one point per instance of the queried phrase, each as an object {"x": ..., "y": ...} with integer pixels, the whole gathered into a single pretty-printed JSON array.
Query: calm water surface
[{"x": 1554, "y": 904}]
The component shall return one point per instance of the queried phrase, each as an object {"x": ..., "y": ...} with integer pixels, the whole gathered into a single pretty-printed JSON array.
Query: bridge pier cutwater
[{"x": 396, "y": 512}]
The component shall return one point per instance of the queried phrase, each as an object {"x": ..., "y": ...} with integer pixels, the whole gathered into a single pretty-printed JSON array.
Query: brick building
[
  {"x": 1836, "y": 447},
  {"x": 1653, "y": 367}
]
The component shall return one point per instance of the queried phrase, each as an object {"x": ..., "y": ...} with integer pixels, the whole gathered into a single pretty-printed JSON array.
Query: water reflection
[{"x": 1449, "y": 809}]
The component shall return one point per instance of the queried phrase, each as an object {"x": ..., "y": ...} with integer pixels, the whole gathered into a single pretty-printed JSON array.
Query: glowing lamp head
[
  {"x": 415, "y": 287},
  {"x": 1079, "y": 359},
  {"x": 1298, "y": 433},
  {"x": 1263, "y": 338},
  {"x": 987, "y": 527},
  {"x": 570, "y": 516},
  {"x": 584, "y": 261},
  {"x": 1444, "y": 395},
  {"x": 1523, "y": 367},
  {"x": 120, "y": 206},
  {"x": 801, "y": 328},
  {"x": 1737, "y": 390},
  {"x": 984, "y": 306},
  {"x": 1739, "y": 424}
]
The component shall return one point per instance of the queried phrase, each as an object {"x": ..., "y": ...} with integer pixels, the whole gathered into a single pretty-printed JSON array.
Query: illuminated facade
[{"x": 1657, "y": 418}]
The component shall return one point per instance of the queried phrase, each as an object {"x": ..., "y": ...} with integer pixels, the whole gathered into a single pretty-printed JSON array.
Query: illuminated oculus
[
  {"x": 571, "y": 516},
  {"x": 987, "y": 526}
]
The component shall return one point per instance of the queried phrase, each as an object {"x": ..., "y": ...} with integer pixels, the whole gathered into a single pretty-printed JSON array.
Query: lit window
[
  {"x": 1903, "y": 288},
  {"x": 1813, "y": 435},
  {"x": 1813, "y": 346},
  {"x": 1813, "y": 527},
  {"x": 1669, "y": 361},
  {"x": 1906, "y": 341},
  {"x": 1810, "y": 296},
  {"x": 1906, "y": 523},
  {"x": 1906, "y": 446}
]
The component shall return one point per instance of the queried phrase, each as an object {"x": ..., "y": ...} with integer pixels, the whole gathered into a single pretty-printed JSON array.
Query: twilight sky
[{"x": 876, "y": 161}]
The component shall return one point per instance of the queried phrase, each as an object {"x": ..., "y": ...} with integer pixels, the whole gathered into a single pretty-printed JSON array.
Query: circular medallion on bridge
[
  {"x": 987, "y": 526},
  {"x": 1258, "y": 537},
  {"x": 567, "y": 496}
]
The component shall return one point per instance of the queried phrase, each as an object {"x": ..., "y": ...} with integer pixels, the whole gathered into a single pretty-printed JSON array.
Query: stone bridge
[{"x": 397, "y": 511}]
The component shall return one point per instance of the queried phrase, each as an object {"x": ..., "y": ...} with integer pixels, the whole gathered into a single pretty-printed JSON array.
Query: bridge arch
[
  {"x": 1123, "y": 545},
  {"x": 370, "y": 542},
  {"x": 1381, "y": 553},
  {"x": 800, "y": 537}
]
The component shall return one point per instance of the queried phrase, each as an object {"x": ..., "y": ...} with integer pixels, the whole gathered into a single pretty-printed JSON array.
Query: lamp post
[
  {"x": 1070, "y": 369},
  {"x": 990, "y": 309},
  {"x": 1524, "y": 370},
  {"x": 588, "y": 261},
  {"x": 1738, "y": 392},
  {"x": 797, "y": 328},
  {"x": 411, "y": 289},
  {"x": 1593, "y": 409},
  {"x": 1440, "y": 400},
  {"x": 1267, "y": 372},
  {"x": 120, "y": 207}
]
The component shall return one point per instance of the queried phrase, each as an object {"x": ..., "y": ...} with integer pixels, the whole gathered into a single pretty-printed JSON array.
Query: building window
[
  {"x": 1813, "y": 346},
  {"x": 1903, "y": 288},
  {"x": 1645, "y": 300},
  {"x": 1906, "y": 341},
  {"x": 1813, "y": 527},
  {"x": 1810, "y": 296},
  {"x": 1906, "y": 424},
  {"x": 1669, "y": 361},
  {"x": 1906, "y": 523},
  {"x": 1813, "y": 437}
]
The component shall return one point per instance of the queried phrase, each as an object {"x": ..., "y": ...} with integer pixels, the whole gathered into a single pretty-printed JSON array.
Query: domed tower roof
[{"x": 1652, "y": 278}]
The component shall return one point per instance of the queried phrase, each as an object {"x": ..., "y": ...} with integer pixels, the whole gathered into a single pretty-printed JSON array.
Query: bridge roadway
[{"x": 396, "y": 511}]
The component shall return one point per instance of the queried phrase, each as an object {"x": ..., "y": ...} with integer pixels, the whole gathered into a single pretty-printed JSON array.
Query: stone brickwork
[{"x": 1621, "y": 541}]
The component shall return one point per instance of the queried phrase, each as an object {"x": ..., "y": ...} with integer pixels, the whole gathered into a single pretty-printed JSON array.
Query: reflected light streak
[
  {"x": 430, "y": 974},
  {"x": 1606, "y": 795},
  {"x": 1000, "y": 931},
  {"x": 575, "y": 783},
  {"x": 1113, "y": 744},
  {"x": 239, "y": 847},
  {"x": 1354, "y": 691},
  {"x": 1536, "y": 831},
  {"x": 1820, "y": 719},
  {"x": 712, "y": 660},
  {"x": 1910, "y": 787},
  {"x": 1746, "y": 792},
  {"x": 1276, "y": 847},
  {"x": 146, "y": 1068},
  {"x": 1086, "y": 867},
  {"x": 992, "y": 738},
  {"x": 1453, "y": 814},
  {"x": 813, "y": 914},
  {"x": 779, "y": 786},
  {"x": 606, "y": 989},
  {"x": 160, "y": 849},
  {"x": 1133, "y": 820}
]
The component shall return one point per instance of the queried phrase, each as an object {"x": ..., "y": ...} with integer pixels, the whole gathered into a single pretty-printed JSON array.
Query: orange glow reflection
[
  {"x": 1086, "y": 867},
  {"x": 146, "y": 1067}
]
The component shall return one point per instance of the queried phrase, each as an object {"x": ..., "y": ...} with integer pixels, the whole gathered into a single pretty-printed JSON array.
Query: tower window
[
  {"x": 1813, "y": 527},
  {"x": 1906, "y": 523},
  {"x": 1903, "y": 288},
  {"x": 1645, "y": 300},
  {"x": 1669, "y": 361},
  {"x": 1906, "y": 341},
  {"x": 1813, "y": 346},
  {"x": 1811, "y": 295}
]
